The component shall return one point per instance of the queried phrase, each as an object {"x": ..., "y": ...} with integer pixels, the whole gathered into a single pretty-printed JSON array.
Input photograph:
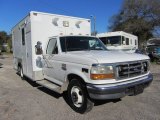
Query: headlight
[
  {"x": 145, "y": 66},
  {"x": 101, "y": 72}
]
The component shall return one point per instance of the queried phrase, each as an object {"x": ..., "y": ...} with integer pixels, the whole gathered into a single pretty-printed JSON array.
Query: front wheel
[{"x": 78, "y": 97}]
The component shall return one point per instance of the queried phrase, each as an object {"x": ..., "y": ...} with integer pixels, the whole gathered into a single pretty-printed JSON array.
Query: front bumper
[{"x": 119, "y": 90}]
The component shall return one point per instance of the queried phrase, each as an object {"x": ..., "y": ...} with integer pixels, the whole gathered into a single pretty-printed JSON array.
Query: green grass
[{"x": 7, "y": 53}]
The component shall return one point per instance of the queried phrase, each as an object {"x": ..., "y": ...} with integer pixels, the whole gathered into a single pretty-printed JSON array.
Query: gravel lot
[{"x": 24, "y": 100}]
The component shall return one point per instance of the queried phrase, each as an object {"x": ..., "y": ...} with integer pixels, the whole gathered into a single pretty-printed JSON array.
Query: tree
[
  {"x": 9, "y": 41},
  {"x": 5, "y": 38},
  {"x": 139, "y": 17}
]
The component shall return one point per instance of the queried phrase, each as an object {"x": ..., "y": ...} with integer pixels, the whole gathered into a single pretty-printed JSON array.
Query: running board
[{"x": 50, "y": 85}]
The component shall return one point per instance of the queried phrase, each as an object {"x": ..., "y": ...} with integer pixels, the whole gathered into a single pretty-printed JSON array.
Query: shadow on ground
[
  {"x": 2, "y": 57},
  {"x": 1, "y": 65},
  {"x": 43, "y": 89},
  {"x": 64, "y": 94},
  {"x": 96, "y": 102},
  {"x": 101, "y": 102}
]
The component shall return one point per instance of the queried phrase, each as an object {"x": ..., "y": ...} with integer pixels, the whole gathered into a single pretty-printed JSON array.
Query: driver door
[{"x": 49, "y": 68}]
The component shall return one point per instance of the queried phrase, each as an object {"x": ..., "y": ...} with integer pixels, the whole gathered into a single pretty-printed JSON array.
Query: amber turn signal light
[{"x": 102, "y": 76}]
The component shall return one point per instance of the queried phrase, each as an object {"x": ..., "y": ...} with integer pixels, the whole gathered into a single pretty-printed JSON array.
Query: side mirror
[{"x": 38, "y": 48}]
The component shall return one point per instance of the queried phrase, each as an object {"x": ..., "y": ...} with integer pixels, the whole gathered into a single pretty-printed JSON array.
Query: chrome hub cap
[{"x": 77, "y": 97}]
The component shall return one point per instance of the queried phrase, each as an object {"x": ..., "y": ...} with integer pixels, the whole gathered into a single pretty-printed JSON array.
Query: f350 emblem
[{"x": 64, "y": 67}]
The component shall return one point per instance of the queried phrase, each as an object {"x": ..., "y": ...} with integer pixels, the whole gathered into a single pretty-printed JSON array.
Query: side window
[
  {"x": 104, "y": 40},
  {"x": 55, "y": 50},
  {"x": 127, "y": 41},
  {"x": 123, "y": 40},
  {"x": 135, "y": 42},
  {"x": 52, "y": 47},
  {"x": 23, "y": 36}
]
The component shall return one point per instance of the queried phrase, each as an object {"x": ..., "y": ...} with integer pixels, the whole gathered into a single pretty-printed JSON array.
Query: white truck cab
[
  {"x": 58, "y": 53},
  {"x": 120, "y": 41}
]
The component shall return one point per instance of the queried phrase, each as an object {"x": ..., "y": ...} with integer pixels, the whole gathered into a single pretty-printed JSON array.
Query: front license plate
[{"x": 138, "y": 89}]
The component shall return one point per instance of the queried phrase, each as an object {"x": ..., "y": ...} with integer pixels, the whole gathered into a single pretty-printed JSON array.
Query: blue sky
[{"x": 12, "y": 11}]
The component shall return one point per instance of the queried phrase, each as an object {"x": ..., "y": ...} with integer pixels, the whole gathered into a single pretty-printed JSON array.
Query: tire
[
  {"x": 78, "y": 97},
  {"x": 20, "y": 72}
]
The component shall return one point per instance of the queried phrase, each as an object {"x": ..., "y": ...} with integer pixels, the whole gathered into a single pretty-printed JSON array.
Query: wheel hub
[
  {"x": 77, "y": 96},
  {"x": 74, "y": 97}
]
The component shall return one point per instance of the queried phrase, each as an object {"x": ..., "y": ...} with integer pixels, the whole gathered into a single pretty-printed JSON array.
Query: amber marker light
[
  {"x": 102, "y": 76},
  {"x": 101, "y": 72}
]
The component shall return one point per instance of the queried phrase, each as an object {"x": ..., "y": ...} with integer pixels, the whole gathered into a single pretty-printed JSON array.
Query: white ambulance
[{"x": 57, "y": 52}]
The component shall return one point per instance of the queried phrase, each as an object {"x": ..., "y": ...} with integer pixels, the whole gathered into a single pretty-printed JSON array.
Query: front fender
[{"x": 82, "y": 75}]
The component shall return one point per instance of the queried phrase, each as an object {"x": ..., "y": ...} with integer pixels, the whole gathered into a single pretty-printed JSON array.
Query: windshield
[
  {"x": 114, "y": 40},
  {"x": 80, "y": 43}
]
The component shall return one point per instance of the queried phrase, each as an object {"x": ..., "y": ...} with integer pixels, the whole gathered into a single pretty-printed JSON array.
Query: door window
[{"x": 52, "y": 46}]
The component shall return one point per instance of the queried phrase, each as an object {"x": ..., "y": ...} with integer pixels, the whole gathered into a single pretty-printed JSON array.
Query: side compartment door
[
  {"x": 28, "y": 54},
  {"x": 24, "y": 51}
]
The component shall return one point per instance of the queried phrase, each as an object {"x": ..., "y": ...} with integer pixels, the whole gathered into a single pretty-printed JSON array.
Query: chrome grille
[{"x": 132, "y": 69}]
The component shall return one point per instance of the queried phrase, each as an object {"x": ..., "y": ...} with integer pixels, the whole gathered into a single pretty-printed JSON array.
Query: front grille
[{"x": 132, "y": 69}]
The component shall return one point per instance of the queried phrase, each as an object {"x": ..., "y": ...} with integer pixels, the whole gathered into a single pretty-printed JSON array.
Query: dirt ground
[{"x": 25, "y": 100}]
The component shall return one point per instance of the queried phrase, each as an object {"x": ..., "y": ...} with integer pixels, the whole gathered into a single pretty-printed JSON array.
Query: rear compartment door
[
  {"x": 28, "y": 51},
  {"x": 24, "y": 51}
]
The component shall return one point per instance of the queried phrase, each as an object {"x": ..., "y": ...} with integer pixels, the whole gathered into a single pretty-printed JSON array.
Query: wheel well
[
  {"x": 74, "y": 76},
  {"x": 19, "y": 64}
]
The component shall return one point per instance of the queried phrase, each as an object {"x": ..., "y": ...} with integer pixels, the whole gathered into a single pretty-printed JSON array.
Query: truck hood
[{"x": 108, "y": 56}]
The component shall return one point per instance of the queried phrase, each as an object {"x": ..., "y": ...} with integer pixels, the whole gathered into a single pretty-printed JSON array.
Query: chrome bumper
[{"x": 117, "y": 90}]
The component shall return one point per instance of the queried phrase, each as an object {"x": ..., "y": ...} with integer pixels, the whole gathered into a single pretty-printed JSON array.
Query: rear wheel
[
  {"x": 78, "y": 97},
  {"x": 20, "y": 72}
]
